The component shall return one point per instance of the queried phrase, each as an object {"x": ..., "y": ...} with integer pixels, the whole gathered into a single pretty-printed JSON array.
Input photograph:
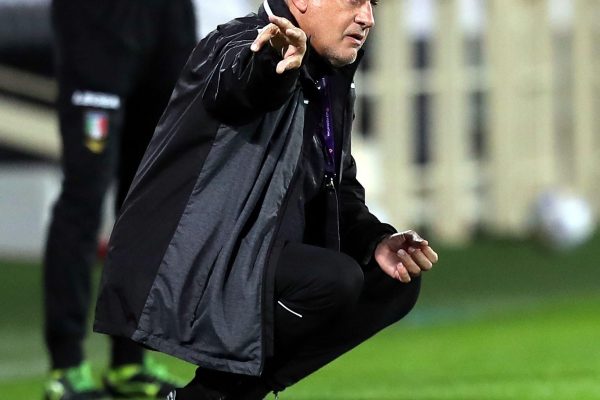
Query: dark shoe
[
  {"x": 74, "y": 383},
  {"x": 215, "y": 385},
  {"x": 196, "y": 393},
  {"x": 149, "y": 380},
  {"x": 209, "y": 395}
]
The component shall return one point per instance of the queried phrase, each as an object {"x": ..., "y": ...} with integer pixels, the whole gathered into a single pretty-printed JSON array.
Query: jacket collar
[{"x": 276, "y": 7}]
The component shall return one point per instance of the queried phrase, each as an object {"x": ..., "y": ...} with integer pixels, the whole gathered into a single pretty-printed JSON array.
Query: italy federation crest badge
[{"x": 96, "y": 130}]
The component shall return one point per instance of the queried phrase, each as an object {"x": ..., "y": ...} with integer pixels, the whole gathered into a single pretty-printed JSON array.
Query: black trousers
[
  {"x": 326, "y": 305},
  {"x": 117, "y": 63}
]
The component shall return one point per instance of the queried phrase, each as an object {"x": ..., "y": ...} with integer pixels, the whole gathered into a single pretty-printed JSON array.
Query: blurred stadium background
[{"x": 469, "y": 111}]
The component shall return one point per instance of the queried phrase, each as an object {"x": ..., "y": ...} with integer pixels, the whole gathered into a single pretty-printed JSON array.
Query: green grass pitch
[{"x": 496, "y": 320}]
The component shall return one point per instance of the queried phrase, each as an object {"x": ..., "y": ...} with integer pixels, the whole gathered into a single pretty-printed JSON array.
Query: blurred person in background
[
  {"x": 116, "y": 64},
  {"x": 245, "y": 229}
]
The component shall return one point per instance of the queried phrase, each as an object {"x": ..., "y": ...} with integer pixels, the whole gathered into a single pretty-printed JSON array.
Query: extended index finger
[
  {"x": 282, "y": 23},
  {"x": 264, "y": 36},
  {"x": 294, "y": 35}
]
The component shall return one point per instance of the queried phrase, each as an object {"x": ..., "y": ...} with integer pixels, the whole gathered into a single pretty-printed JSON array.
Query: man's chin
[{"x": 339, "y": 60}]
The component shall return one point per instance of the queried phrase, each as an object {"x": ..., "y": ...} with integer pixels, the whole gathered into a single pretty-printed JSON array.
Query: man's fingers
[
  {"x": 413, "y": 237},
  {"x": 407, "y": 238},
  {"x": 405, "y": 255},
  {"x": 288, "y": 63},
  {"x": 296, "y": 37},
  {"x": 282, "y": 66},
  {"x": 430, "y": 254},
  {"x": 397, "y": 240},
  {"x": 419, "y": 257},
  {"x": 265, "y": 35},
  {"x": 409, "y": 263},
  {"x": 402, "y": 273},
  {"x": 278, "y": 26},
  {"x": 282, "y": 23},
  {"x": 286, "y": 38},
  {"x": 398, "y": 271}
]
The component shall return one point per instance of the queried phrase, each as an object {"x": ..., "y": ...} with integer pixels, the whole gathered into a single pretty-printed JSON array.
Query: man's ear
[{"x": 300, "y": 5}]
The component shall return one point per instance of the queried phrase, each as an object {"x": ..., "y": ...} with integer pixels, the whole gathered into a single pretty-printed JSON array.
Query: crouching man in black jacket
[{"x": 245, "y": 229}]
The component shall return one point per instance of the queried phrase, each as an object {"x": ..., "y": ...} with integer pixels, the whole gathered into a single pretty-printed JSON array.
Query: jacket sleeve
[
  {"x": 360, "y": 231},
  {"x": 236, "y": 83}
]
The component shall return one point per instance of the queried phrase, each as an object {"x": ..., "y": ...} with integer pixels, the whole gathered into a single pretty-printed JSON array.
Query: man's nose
[{"x": 365, "y": 16}]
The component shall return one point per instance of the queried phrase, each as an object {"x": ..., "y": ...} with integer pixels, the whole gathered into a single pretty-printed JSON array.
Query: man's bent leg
[
  {"x": 382, "y": 302},
  {"x": 313, "y": 286}
]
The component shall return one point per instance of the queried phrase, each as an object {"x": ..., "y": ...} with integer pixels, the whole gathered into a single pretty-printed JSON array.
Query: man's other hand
[{"x": 405, "y": 255}]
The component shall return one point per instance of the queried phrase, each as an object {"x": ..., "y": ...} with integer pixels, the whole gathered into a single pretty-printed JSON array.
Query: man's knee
[
  {"x": 320, "y": 280},
  {"x": 395, "y": 297},
  {"x": 404, "y": 300},
  {"x": 342, "y": 284},
  {"x": 412, "y": 294}
]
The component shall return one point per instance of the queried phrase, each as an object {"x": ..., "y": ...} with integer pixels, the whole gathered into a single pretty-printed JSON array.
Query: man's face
[{"x": 338, "y": 28}]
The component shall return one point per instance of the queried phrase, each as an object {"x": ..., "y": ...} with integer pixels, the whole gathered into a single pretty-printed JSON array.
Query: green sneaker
[
  {"x": 148, "y": 380},
  {"x": 74, "y": 383}
]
